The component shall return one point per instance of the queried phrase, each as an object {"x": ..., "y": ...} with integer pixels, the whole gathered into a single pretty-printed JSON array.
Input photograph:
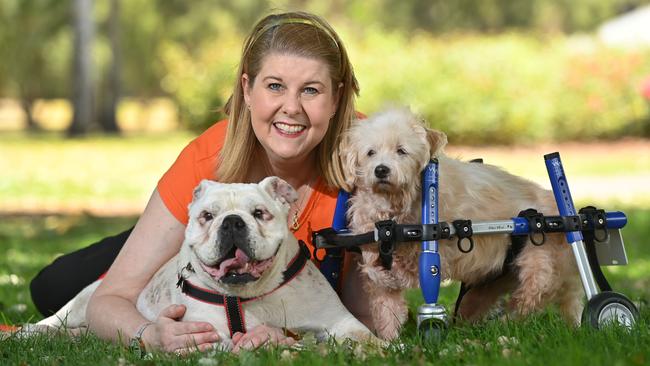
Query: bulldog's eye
[
  {"x": 401, "y": 151},
  {"x": 205, "y": 215},
  {"x": 371, "y": 152},
  {"x": 258, "y": 214}
]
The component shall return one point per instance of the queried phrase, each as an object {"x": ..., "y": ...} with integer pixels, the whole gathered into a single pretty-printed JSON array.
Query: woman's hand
[
  {"x": 169, "y": 334},
  {"x": 260, "y": 336}
]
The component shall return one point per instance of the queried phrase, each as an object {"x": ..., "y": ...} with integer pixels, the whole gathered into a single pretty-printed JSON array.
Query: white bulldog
[{"x": 237, "y": 244}]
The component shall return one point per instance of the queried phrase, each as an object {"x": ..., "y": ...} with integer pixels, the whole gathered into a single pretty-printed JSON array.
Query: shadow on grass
[{"x": 29, "y": 242}]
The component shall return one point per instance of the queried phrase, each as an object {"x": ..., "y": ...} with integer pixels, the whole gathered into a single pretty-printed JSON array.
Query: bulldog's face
[{"x": 235, "y": 230}]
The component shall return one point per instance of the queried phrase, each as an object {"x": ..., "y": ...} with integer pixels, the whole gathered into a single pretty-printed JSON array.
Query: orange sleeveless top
[{"x": 198, "y": 161}]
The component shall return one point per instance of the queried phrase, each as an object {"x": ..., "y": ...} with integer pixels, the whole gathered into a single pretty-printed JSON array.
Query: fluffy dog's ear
[
  {"x": 279, "y": 190},
  {"x": 349, "y": 161},
  {"x": 437, "y": 141},
  {"x": 201, "y": 188}
]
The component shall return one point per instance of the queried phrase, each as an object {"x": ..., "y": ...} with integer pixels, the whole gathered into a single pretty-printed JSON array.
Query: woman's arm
[{"x": 112, "y": 313}]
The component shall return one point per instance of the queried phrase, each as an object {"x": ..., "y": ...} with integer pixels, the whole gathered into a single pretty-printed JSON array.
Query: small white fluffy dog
[
  {"x": 383, "y": 158},
  {"x": 237, "y": 243}
]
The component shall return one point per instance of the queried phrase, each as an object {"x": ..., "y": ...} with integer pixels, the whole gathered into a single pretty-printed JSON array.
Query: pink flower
[{"x": 645, "y": 88}]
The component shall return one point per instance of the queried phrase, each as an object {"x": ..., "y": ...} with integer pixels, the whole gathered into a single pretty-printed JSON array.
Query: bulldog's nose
[
  {"x": 382, "y": 171},
  {"x": 233, "y": 223}
]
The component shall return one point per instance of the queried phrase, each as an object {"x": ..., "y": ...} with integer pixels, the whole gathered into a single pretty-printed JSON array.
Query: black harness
[
  {"x": 517, "y": 244},
  {"x": 591, "y": 222},
  {"x": 233, "y": 304}
]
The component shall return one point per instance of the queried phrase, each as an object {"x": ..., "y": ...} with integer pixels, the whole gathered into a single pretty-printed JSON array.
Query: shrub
[{"x": 479, "y": 89}]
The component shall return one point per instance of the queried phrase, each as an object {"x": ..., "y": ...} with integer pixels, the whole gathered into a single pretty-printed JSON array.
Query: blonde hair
[{"x": 301, "y": 34}]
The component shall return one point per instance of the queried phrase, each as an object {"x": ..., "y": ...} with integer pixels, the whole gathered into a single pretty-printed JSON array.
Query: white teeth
[{"x": 290, "y": 129}]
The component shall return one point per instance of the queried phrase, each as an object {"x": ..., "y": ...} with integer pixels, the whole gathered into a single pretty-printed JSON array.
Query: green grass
[
  {"x": 49, "y": 172},
  {"x": 128, "y": 170},
  {"x": 28, "y": 243}
]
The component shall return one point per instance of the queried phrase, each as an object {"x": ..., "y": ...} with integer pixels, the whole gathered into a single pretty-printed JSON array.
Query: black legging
[{"x": 60, "y": 281}]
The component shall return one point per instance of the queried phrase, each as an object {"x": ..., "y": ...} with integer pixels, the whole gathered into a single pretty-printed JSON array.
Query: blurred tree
[
  {"x": 438, "y": 16},
  {"x": 112, "y": 89},
  {"x": 28, "y": 70},
  {"x": 170, "y": 49},
  {"x": 82, "y": 68}
]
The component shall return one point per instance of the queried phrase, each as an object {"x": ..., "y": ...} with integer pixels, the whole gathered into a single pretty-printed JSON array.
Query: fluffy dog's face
[
  {"x": 386, "y": 151},
  {"x": 235, "y": 230}
]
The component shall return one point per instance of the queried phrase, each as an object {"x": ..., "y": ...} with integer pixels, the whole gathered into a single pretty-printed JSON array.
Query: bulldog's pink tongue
[{"x": 240, "y": 263}]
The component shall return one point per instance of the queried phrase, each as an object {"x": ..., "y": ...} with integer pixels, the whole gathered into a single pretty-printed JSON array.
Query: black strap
[
  {"x": 235, "y": 315},
  {"x": 296, "y": 265},
  {"x": 536, "y": 225},
  {"x": 590, "y": 248},
  {"x": 329, "y": 237},
  {"x": 464, "y": 288},
  {"x": 464, "y": 231},
  {"x": 232, "y": 304},
  {"x": 517, "y": 245},
  {"x": 387, "y": 233}
]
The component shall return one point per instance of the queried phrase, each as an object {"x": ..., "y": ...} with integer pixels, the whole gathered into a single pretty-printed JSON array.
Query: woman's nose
[{"x": 291, "y": 105}]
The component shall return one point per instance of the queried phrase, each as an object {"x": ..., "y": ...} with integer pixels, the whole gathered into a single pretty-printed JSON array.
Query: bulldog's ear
[
  {"x": 279, "y": 190},
  {"x": 200, "y": 189},
  {"x": 437, "y": 141},
  {"x": 349, "y": 161}
]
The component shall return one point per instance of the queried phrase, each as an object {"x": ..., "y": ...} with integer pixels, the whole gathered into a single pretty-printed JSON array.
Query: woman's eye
[
  {"x": 206, "y": 216},
  {"x": 401, "y": 151},
  {"x": 371, "y": 152},
  {"x": 258, "y": 214},
  {"x": 275, "y": 86},
  {"x": 310, "y": 90}
]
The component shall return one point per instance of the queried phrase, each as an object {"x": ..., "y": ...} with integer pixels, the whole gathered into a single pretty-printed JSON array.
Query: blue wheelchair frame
[{"x": 602, "y": 307}]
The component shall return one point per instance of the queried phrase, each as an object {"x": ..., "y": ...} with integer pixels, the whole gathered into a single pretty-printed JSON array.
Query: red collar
[{"x": 232, "y": 304}]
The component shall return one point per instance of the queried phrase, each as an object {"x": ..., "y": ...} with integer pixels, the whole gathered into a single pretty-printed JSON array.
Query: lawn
[{"x": 56, "y": 196}]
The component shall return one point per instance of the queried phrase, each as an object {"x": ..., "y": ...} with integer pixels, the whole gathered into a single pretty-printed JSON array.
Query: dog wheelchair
[{"x": 593, "y": 234}]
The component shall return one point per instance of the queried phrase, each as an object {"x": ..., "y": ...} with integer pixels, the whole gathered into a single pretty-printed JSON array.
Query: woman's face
[{"x": 291, "y": 103}]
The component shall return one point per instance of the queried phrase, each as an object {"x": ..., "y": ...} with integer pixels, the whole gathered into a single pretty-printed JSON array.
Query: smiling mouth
[
  {"x": 288, "y": 129},
  {"x": 237, "y": 268}
]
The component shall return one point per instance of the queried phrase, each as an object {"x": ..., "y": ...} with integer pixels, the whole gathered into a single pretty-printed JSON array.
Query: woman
[{"x": 293, "y": 97}]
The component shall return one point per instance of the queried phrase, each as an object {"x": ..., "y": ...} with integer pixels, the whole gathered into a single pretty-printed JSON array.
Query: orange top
[{"x": 198, "y": 160}]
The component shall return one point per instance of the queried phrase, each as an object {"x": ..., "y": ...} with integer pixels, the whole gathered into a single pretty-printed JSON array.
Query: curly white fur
[{"x": 397, "y": 140}]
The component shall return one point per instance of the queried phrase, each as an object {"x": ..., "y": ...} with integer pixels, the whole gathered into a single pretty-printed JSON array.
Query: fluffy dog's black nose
[
  {"x": 233, "y": 223},
  {"x": 382, "y": 171}
]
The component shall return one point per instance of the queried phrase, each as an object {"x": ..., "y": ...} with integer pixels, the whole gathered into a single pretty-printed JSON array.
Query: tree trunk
[
  {"x": 82, "y": 68},
  {"x": 108, "y": 118},
  {"x": 32, "y": 125}
]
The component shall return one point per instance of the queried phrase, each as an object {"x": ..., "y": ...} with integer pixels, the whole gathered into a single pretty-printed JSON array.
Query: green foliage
[
  {"x": 34, "y": 45},
  {"x": 478, "y": 89},
  {"x": 507, "y": 84},
  {"x": 440, "y": 16},
  {"x": 507, "y": 88}
]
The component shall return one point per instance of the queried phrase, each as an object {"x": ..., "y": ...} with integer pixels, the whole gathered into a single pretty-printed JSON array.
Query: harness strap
[
  {"x": 233, "y": 304},
  {"x": 517, "y": 244},
  {"x": 235, "y": 315},
  {"x": 590, "y": 248}
]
